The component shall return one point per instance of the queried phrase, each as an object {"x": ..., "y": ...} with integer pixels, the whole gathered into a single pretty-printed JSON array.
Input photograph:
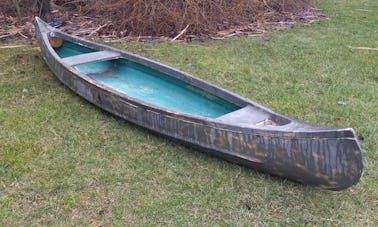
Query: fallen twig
[
  {"x": 13, "y": 46},
  {"x": 5, "y": 36},
  {"x": 181, "y": 33},
  {"x": 23, "y": 35},
  {"x": 364, "y": 10},
  {"x": 112, "y": 40},
  {"x": 97, "y": 29},
  {"x": 18, "y": 46},
  {"x": 362, "y": 48}
]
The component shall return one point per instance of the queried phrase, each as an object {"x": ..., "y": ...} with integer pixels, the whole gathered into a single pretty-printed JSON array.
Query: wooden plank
[
  {"x": 91, "y": 57},
  {"x": 248, "y": 115}
]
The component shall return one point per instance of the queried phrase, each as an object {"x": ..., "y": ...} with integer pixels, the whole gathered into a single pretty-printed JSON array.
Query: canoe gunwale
[{"x": 278, "y": 144}]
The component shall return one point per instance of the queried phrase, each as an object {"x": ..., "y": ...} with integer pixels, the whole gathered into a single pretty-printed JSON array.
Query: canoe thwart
[
  {"x": 91, "y": 57},
  {"x": 248, "y": 115}
]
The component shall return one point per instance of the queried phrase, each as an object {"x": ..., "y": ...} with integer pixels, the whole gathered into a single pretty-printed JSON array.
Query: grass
[{"x": 65, "y": 162}]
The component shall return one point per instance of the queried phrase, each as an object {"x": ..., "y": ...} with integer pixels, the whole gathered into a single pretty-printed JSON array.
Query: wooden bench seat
[
  {"x": 91, "y": 57},
  {"x": 248, "y": 115}
]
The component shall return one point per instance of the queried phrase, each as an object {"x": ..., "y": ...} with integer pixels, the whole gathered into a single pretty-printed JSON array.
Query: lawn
[{"x": 65, "y": 162}]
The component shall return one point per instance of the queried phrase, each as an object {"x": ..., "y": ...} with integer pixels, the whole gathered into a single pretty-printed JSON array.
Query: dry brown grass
[
  {"x": 22, "y": 8},
  {"x": 292, "y": 6},
  {"x": 164, "y": 17},
  {"x": 170, "y": 17}
]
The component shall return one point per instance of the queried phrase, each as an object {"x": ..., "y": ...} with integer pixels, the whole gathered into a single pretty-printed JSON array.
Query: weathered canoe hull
[{"x": 327, "y": 158}]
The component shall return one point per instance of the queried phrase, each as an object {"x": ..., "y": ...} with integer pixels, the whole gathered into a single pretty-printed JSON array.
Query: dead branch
[
  {"x": 181, "y": 33},
  {"x": 98, "y": 29},
  {"x": 18, "y": 46}
]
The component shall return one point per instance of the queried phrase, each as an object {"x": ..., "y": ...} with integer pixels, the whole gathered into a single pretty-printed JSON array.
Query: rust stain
[
  {"x": 252, "y": 145},
  {"x": 300, "y": 166},
  {"x": 259, "y": 154},
  {"x": 322, "y": 176},
  {"x": 236, "y": 143},
  {"x": 220, "y": 142}
]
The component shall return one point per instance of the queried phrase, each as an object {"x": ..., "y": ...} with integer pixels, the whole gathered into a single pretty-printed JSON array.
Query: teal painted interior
[
  {"x": 150, "y": 86},
  {"x": 69, "y": 49}
]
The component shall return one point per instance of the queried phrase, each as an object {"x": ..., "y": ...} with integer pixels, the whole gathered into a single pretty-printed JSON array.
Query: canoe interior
[
  {"x": 69, "y": 49},
  {"x": 154, "y": 87},
  {"x": 149, "y": 85}
]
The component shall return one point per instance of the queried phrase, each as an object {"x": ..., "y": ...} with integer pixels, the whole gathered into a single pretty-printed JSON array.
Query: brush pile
[{"x": 168, "y": 18}]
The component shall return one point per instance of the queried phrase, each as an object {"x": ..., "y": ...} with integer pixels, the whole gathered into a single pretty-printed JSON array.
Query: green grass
[{"x": 65, "y": 162}]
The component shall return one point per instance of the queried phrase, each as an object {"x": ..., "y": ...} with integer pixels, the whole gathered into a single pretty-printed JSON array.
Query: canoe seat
[
  {"x": 248, "y": 115},
  {"x": 91, "y": 57}
]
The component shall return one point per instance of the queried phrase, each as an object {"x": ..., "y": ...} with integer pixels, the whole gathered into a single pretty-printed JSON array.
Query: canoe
[{"x": 201, "y": 115}]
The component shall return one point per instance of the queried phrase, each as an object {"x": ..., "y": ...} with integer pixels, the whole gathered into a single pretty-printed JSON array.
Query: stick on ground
[
  {"x": 181, "y": 33},
  {"x": 362, "y": 48}
]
